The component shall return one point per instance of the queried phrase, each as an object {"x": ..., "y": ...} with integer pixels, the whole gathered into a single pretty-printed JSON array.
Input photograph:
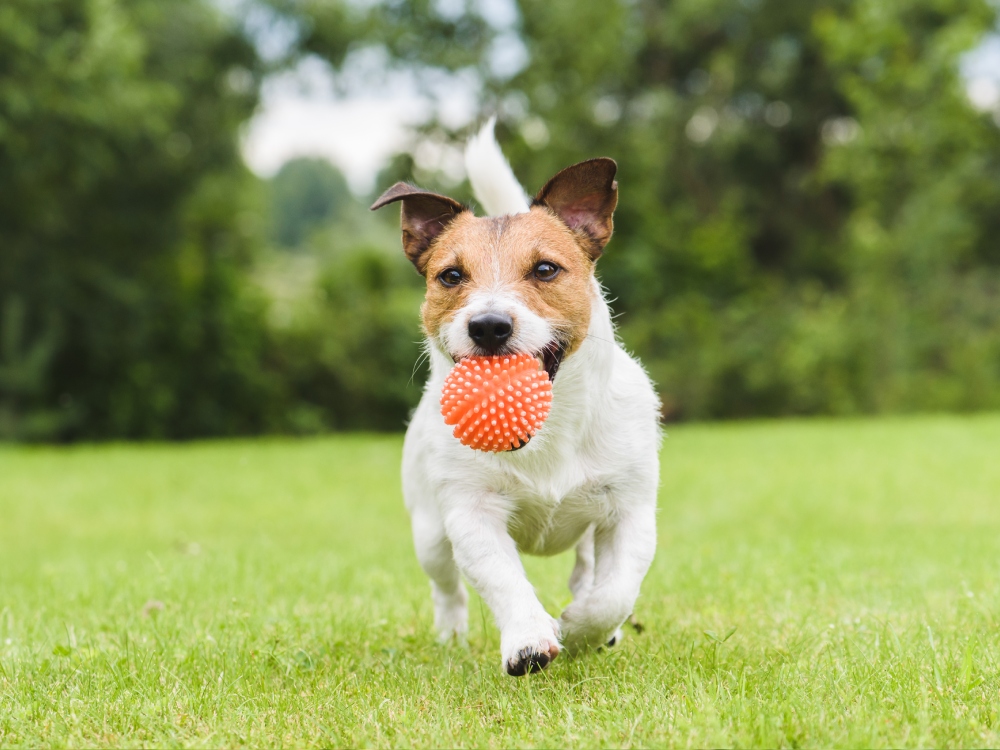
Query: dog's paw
[
  {"x": 616, "y": 638},
  {"x": 457, "y": 633},
  {"x": 529, "y": 660},
  {"x": 530, "y": 648},
  {"x": 451, "y": 616},
  {"x": 581, "y": 632},
  {"x": 577, "y": 641}
]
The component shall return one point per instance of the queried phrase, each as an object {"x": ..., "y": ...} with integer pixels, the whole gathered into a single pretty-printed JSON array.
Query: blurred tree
[
  {"x": 808, "y": 202},
  {"x": 24, "y": 368},
  {"x": 305, "y": 195},
  {"x": 807, "y": 219},
  {"x": 352, "y": 354},
  {"x": 126, "y": 220}
]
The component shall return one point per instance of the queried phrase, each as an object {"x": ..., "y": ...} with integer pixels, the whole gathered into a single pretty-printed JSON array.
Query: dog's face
[{"x": 509, "y": 284}]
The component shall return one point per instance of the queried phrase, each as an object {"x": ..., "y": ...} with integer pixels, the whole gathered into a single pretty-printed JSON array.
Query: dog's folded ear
[
  {"x": 584, "y": 196},
  {"x": 423, "y": 217}
]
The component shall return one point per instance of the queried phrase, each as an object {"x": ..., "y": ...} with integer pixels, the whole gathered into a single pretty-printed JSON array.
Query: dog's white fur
[{"x": 589, "y": 477}]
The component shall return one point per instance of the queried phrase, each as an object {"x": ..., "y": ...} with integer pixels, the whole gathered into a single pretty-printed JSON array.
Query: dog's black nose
[{"x": 490, "y": 331}]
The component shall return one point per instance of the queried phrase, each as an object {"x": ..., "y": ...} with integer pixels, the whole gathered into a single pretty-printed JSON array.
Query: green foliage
[
  {"x": 23, "y": 372},
  {"x": 833, "y": 586},
  {"x": 127, "y": 218},
  {"x": 807, "y": 218},
  {"x": 352, "y": 354},
  {"x": 305, "y": 195}
]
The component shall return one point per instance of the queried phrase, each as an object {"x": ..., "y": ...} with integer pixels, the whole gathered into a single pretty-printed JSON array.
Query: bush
[
  {"x": 351, "y": 356},
  {"x": 127, "y": 223}
]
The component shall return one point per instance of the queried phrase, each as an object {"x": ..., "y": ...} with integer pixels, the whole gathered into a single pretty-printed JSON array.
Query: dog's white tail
[{"x": 493, "y": 181}]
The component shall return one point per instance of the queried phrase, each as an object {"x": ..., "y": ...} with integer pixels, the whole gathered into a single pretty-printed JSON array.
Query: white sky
[
  {"x": 302, "y": 115},
  {"x": 356, "y": 125},
  {"x": 359, "y": 129}
]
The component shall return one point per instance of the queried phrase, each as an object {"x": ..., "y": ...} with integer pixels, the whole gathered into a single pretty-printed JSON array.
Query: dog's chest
[{"x": 550, "y": 513}]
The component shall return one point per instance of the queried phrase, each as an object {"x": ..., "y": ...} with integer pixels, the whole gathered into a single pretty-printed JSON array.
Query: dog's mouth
[{"x": 551, "y": 357}]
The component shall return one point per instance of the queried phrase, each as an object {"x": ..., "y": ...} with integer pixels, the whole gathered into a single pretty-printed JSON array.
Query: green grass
[{"x": 856, "y": 564}]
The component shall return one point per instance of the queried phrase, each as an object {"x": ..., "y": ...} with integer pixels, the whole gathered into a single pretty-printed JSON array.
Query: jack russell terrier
[{"x": 522, "y": 280}]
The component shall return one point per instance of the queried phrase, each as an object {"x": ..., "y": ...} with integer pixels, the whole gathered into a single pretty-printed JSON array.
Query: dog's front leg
[
  {"x": 451, "y": 619},
  {"x": 487, "y": 556},
  {"x": 623, "y": 552}
]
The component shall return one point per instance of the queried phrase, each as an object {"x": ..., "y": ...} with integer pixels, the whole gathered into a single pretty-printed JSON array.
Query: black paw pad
[{"x": 527, "y": 661}]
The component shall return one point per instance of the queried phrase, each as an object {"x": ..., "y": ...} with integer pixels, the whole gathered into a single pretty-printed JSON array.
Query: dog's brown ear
[
  {"x": 584, "y": 196},
  {"x": 423, "y": 217}
]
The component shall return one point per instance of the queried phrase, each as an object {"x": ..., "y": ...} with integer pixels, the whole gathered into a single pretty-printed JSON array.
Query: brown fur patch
[{"x": 504, "y": 251}]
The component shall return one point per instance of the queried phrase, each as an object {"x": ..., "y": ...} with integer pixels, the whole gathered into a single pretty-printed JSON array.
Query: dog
[{"x": 522, "y": 280}]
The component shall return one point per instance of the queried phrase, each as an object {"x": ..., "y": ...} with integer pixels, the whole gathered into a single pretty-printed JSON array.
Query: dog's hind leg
[
  {"x": 451, "y": 618},
  {"x": 623, "y": 551},
  {"x": 582, "y": 577}
]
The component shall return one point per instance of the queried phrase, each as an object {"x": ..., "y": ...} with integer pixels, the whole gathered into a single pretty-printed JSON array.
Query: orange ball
[{"x": 496, "y": 403}]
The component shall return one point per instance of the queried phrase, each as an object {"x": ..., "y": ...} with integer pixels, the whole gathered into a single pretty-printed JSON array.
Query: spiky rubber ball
[{"x": 496, "y": 403}]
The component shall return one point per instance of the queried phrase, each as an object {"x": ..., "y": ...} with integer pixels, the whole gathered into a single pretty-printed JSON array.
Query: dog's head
[{"x": 509, "y": 284}]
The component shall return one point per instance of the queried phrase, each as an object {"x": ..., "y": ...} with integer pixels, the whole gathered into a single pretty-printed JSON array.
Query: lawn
[{"x": 817, "y": 583}]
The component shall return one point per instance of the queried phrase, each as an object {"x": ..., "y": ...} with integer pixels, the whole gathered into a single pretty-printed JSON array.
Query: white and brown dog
[{"x": 522, "y": 280}]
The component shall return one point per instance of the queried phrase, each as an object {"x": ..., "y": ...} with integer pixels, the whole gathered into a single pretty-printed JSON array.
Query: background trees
[
  {"x": 808, "y": 213},
  {"x": 807, "y": 223},
  {"x": 126, "y": 223}
]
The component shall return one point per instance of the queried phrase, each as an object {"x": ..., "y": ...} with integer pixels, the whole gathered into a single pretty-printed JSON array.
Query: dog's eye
[
  {"x": 450, "y": 277},
  {"x": 546, "y": 271}
]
